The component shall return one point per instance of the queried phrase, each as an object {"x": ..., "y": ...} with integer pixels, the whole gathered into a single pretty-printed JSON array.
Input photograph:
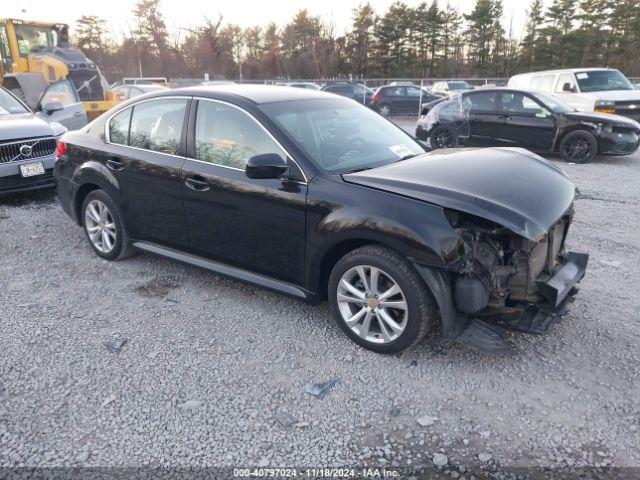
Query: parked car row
[
  {"x": 578, "y": 113},
  {"x": 529, "y": 119}
]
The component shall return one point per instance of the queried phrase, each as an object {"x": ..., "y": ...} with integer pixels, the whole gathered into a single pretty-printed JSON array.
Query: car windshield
[
  {"x": 33, "y": 38},
  {"x": 553, "y": 104},
  {"x": 9, "y": 105},
  {"x": 602, "y": 80},
  {"x": 341, "y": 135},
  {"x": 459, "y": 86}
]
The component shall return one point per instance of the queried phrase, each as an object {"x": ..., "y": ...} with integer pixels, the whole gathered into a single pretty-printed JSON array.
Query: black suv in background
[
  {"x": 400, "y": 100},
  {"x": 354, "y": 90},
  {"x": 507, "y": 117},
  {"x": 317, "y": 197}
]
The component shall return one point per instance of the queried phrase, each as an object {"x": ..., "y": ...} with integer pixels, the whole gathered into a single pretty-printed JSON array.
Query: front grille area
[
  {"x": 27, "y": 149},
  {"x": 88, "y": 85},
  {"x": 629, "y": 108}
]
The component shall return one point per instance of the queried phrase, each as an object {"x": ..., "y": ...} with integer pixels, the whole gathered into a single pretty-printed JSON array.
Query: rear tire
[
  {"x": 579, "y": 146},
  {"x": 443, "y": 136},
  {"x": 104, "y": 226},
  {"x": 384, "y": 110},
  {"x": 369, "y": 311}
]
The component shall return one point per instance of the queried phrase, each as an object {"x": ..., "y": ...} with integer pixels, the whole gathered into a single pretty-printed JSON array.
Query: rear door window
[
  {"x": 119, "y": 127},
  {"x": 394, "y": 92},
  {"x": 484, "y": 102},
  {"x": 157, "y": 125}
]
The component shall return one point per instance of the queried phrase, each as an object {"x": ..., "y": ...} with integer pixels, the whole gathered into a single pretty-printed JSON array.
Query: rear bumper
[
  {"x": 421, "y": 133},
  {"x": 66, "y": 192}
]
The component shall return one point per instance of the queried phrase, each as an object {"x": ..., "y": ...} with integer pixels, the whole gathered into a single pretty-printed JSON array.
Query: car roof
[
  {"x": 563, "y": 70},
  {"x": 500, "y": 89},
  {"x": 257, "y": 94}
]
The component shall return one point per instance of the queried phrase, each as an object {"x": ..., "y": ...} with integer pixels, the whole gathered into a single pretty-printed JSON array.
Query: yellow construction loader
[{"x": 37, "y": 54}]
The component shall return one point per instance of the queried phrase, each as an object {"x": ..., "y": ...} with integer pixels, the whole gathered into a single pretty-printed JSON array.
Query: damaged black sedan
[
  {"x": 317, "y": 197},
  {"x": 532, "y": 120}
]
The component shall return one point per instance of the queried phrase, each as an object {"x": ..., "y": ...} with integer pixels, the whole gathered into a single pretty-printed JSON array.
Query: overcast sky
[{"x": 185, "y": 13}]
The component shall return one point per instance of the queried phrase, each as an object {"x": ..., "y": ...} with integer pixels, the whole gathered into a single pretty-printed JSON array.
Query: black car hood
[
  {"x": 607, "y": 118},
  {"x": 509, "y": 186}
]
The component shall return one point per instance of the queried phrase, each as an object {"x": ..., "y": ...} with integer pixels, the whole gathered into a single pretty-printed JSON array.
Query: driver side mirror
[
  {"x": 568, "y": 88},
  {"x": 266, "y": 166},
  {"x": 52, "y": 107}
]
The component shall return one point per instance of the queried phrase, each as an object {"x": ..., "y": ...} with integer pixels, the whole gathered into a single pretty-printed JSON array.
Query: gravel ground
[{"x": 213, "y": 372}]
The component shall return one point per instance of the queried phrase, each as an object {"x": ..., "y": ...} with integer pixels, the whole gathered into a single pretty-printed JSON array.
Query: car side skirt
[{"x": 229, "y": 271}]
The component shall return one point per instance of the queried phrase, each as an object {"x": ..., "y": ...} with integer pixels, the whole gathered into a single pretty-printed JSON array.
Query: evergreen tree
[{"x": 535, "y": 18}]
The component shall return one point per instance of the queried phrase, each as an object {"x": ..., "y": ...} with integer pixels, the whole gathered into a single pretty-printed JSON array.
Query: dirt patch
[{"x": 158, "y": 287}]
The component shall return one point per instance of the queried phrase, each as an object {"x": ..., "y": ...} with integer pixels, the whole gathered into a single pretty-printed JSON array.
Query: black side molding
[{"x": 229, "y": 271}]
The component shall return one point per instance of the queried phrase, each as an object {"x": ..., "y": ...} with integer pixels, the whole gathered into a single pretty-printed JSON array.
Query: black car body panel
[
  {"x": 537, "y": 194},
  {"x": 485, "y": 229},
  {"x": 616, "y": 135}
]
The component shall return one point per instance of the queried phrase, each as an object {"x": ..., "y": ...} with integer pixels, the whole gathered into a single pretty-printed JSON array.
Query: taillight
[
  {"x": 377, "y": 97},
  {"x": 62, "y": 149},
  {"x": 120, "y": 96}
]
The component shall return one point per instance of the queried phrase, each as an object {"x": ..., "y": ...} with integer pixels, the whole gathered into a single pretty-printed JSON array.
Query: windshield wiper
[
  {"x": 356, "y": 170},
  {"x": 408, "y": 156}
]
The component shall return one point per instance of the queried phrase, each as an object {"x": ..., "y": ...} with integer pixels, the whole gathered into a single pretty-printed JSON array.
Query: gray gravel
[{"x": 213, "y": 372}]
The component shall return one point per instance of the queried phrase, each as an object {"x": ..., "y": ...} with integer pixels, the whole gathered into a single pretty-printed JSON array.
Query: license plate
[{"x": 31, "y": 169}]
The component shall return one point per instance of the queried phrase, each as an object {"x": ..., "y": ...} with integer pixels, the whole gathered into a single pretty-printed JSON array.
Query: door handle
[
  {"x": 115, "y": 165},
  {"x": 197, "y": 183},
  {"x": 78, "y": 114}
]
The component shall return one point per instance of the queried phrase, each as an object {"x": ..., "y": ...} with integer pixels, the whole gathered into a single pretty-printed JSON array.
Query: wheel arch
[
  {"x": 592, "y": 129},
  {"x": 331, "y": 254},
  {"x": 89, "y": 177}
]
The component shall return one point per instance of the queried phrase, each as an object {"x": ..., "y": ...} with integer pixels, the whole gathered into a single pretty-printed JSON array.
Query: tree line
[{"x": 428, "y": 40}]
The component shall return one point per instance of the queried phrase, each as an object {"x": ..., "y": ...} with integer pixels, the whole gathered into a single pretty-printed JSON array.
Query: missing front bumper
[
  {"x": 490, "y": 336},
  {"x": 556, "y": 289}
]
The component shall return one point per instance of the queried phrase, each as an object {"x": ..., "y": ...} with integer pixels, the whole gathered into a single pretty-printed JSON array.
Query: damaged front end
[{"x": 504, "y": 281}]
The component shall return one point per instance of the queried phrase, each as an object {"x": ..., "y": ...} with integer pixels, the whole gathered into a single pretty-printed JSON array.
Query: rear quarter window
[{"x": 119, "y": 127}]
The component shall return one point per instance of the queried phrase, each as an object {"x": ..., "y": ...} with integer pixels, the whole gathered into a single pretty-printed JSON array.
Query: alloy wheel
[
  {"x": 577, "y": 148},
  {"x": 372, "y": 304},
  {"x": 100, "y": 226},
  {"x": 385, "y": 110},
  {"x": 442, "y": 138}
]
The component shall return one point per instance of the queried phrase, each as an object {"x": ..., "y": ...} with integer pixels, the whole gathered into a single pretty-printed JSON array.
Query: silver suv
[{"x": 27, "y": 146}]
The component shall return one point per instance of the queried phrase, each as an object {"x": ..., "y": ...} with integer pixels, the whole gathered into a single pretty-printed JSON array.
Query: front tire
[
  {"x": 579, "y": 146},
  {"x": 104, "y": 226},
  {"x": 379, "y": 301}
]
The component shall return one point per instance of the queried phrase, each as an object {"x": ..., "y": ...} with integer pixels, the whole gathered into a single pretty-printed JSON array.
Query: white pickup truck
[{"x": 586, "y": 89}]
